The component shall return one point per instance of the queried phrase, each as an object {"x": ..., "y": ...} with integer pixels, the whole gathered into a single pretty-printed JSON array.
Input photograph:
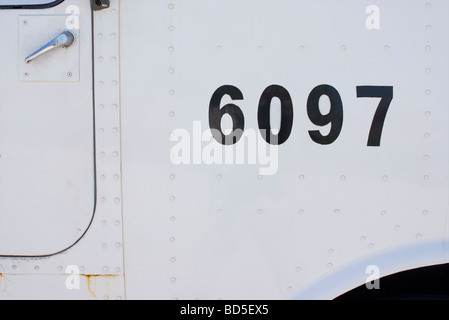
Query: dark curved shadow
[{"x": 427, "y": 283}]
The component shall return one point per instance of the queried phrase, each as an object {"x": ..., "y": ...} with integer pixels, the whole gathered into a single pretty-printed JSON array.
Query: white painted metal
[
  {"x": 220, "y": 231},
  {"x": 92, "y": 206},
  {"x": 47, "y": 184},
  {"x": 225, "y": 232}
]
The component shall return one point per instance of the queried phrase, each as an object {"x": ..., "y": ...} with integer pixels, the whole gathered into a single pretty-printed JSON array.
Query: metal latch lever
[{"x": 64, "y": 40}]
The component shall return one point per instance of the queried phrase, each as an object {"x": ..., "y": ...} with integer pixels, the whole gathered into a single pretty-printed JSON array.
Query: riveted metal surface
[
  {"x": 201, "y": 230},
  {"x": 94, "y": 262}
]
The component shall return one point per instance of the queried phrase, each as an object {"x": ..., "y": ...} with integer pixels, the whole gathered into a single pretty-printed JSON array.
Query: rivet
[
  {"x": 172, "y": 176},
  {"x": 115, "y": 154},
  {"x": 428, "y": 113},
  {"x": 425, "y": 212},
  {"x": 114, "y": 11},
  {"x": 100, "y": 59},
  {"x": 172, "y": 259},
  {"x": 114, "y": 130},
  {"x": 171, "y": 28},
  {"x": 384, "y": 177},
  {"x": 171, "y": 92},
  {"x": 342, "y": 177},
  {"x": 171, "y": 49},
  {"x": 289, "y": 288},
  {"x": 428, "y": 5},
  {"x": 386, "y": 48},
  {"x": 172, "y": 239},
  {"x": 102, "y": 177},
  {"x": 336, "y": 211},
  {"x": 36, "y": 268},
  {"x": 119, "y": 298},
  {"x": 302, "y": 48},
  {"x": 25, "y": 22},
  {"x": 371, "y": 245},
  {"x": 301, "y": 177},
  {"x": 116, "y": 222},
  {"x": 427, "y": 135},
  {"x": 259, "y": 211},
  {"x": 330, "y": 251},
  {"x": 397, "y": 227},
  {"x": 171, "y": 6},
  {"x": 113, "y": 59},
  {"x": 105, "y": 297},
  {"x": 428, "y": 27},
  {"x": 105, "y": 268},
  {"x": 172, "y": 198},
  {"x": 104, "y": 245},
  {"x": 114, "y": 83},
  {"x": 428, "y": 70},
  {"x": 428, "y": 48},
  {"x": 69, "y": 74},
  {"x": 343, "y": 48},
  {"x": 418, "y": 236},
  {"x": 259, "y": 177},
  {"x": 26, "y": 74},
  {"x": 114, "y": 106},
  {"x": 219, "y": 176},
  {"x": 173, "y": 279},
  {"x": 101, "y": 130},
  {"x": 260, "y": 48},
  {"x": 101, "y": 106},
  {"x": 82, "y": 268},
  {"x": 426, "y": 177},
  {"x": 117, "y": 270},
  {"x": 301, "y": 211},
  {"x": 428, "y": 92},
  {"x": 104, "y": 222},
  {"x": 100, "y": 83},
  {"x": 116, "y": 176},
  {"x": 113, "y": 35},
  {"x": 297, "y": 269},
  {"x": 171, "y": 114},
  {"x": 363, "y": 238},
  {"x": 14, "y": 267},
  {"x": 219, "y": 211},
  {"x": 329, "y": 265},
  {"x": 218, "y": 48},
  {"x": 172, "y": 219},
  {"x": 383, "y": 212},
  {"x": 171, "y": 70},
  {"x": 118, "y": 244},
  {"x": 60, "y": 268},
  {"x": 100, "y": 35}
]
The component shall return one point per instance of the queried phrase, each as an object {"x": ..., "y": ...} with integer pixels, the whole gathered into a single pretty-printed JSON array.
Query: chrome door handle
[{"x": 64, "y": 40}]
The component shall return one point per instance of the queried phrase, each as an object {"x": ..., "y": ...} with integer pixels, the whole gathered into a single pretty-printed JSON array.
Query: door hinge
[{"x": 100, "y": 4}]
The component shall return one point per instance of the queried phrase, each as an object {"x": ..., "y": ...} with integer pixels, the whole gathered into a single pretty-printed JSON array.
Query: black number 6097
[{"x": 334, "y": 117}]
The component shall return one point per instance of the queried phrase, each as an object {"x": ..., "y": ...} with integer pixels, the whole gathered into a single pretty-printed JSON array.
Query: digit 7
[{"x": 386, "y": 95}]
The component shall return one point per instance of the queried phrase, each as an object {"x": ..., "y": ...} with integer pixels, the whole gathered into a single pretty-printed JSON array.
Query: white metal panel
[
  {"x": 226, "y": 231},
  {"x": 47, "y": 184},
  {"x": 95, "y": 262}
]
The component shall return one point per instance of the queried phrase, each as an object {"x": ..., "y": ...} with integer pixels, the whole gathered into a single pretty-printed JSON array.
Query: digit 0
[{"x": 264, "y": 118}]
